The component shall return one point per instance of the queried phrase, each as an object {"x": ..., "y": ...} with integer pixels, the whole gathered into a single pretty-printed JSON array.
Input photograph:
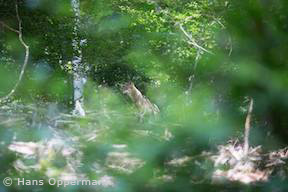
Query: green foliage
[{"x": 201, "y": 92}]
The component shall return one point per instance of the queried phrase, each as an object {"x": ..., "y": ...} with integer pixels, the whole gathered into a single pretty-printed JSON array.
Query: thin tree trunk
[{"x": 79, "y": 77}]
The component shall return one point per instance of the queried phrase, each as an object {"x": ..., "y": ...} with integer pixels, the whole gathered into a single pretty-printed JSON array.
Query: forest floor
[{"x": 42, "y": 135}]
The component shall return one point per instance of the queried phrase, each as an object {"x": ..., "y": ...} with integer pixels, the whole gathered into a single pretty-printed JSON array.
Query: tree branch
[
  {"x": 248, "y": 127},
  {"x": 192, "y": 41},
  {"x": 19, "y": 31},
  {"x": 8, "y": 27}
]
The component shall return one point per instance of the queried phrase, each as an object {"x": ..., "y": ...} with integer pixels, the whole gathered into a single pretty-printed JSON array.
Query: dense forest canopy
[{"x": 157, "y": 95}]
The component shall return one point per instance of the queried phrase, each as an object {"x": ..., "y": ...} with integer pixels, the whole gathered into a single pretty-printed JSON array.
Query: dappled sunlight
[{"x": 143, "y": 95}]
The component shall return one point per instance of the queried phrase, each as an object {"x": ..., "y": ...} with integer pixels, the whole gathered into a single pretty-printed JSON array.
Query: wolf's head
[{"x": 128, "y": 87}]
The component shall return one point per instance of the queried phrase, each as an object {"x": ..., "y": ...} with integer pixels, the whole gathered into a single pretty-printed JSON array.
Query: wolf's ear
[{"x": 129, "y": 84}]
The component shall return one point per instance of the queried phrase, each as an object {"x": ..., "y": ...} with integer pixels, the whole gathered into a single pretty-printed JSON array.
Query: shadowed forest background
[{"x": 216, "y": 69}]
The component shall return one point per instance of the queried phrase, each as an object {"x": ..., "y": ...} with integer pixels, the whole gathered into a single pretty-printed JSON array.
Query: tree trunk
[{"x": 79, "y": 77}]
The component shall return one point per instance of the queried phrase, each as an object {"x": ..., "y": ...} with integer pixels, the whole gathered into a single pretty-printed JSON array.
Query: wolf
[{"x": 141, "y": 102}]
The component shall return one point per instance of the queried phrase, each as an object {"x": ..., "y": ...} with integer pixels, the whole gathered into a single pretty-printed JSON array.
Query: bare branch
[
  {"x": 248, "y": 127},
  {"x": 231, "y": 46},
  {"x": 19, "y": 31},
  {"x": 8, "y": 27},
  {"x": 192, "y": 41}
]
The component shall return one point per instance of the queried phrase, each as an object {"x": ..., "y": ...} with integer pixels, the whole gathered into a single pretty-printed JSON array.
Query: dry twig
[{"x": 248, "y": 127}]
